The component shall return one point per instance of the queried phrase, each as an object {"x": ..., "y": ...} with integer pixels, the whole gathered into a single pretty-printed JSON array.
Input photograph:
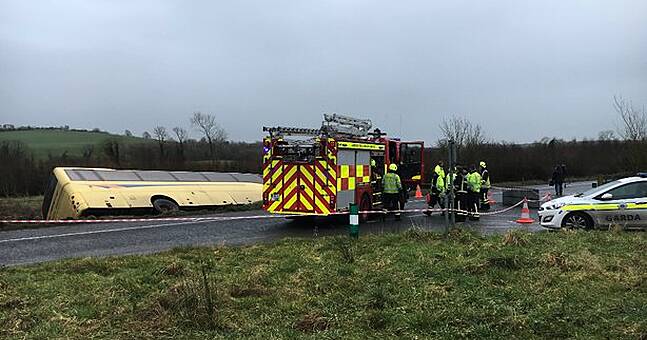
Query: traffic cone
[
  {"x": 418, "y": 192},
  {"x": 525, "y": 213}
]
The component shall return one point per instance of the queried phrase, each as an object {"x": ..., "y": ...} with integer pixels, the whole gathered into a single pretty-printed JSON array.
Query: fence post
[{"x": 354, "y": 220}]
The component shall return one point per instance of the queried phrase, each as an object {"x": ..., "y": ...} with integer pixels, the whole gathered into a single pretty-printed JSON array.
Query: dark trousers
[
  {"x": 559, "y": 188},
  {"x": 474, "y": 198},
  {"x": 461, "y": 203},
  {"x": 392, "y": 201},
  {"x": 436, "y": 199},
  {"x": 485, "y": 202}
]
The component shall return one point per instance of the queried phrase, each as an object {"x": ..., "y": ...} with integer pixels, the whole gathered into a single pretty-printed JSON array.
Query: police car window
[{"x": 631, "y": 190}]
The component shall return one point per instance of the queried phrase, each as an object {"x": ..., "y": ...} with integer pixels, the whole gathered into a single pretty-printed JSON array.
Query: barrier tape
[{"x": 253, "y": 217}]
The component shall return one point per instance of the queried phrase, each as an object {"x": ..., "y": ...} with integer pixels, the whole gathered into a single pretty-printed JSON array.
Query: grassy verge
[
  {"x": 547, "y": 285},
  {"x": 20, "y": 207}
]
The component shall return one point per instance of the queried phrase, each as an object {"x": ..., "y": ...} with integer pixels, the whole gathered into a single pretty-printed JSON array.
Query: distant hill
[{"x": 56, "y": 141}]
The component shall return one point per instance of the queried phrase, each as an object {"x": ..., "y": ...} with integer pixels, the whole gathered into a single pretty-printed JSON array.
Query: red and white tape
[{"x": 252, "y": 217}]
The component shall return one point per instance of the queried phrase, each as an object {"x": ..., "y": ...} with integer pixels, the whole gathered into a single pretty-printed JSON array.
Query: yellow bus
[{"x": 78, "y": 192}]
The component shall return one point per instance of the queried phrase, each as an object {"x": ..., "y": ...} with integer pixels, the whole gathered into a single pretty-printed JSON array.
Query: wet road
[{"x": 103, "y": 239}]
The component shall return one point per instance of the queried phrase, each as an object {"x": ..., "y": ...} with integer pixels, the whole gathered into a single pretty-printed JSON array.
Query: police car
[{"x": 622, "y": 202}]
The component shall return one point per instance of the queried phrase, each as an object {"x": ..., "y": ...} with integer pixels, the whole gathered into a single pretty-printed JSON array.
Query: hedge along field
[
  {"x": 414, "y": 284},
  {"x": 44, "y": 142}
]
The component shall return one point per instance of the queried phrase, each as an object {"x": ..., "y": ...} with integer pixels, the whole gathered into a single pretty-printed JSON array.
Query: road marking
[{"x": 93, "y": 232}]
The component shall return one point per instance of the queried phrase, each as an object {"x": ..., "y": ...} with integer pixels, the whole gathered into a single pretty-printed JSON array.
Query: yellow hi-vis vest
[
  {"x": 474, "y": 181},
  {"x": 486, "y": 182},
  {"x": 391, "y": 183}
]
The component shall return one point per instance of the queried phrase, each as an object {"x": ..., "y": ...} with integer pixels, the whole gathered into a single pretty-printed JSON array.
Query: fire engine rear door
[{"x": 306, "y": 187}]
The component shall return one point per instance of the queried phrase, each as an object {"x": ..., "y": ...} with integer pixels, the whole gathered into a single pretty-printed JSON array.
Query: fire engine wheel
[
  {"x": 163, "y": 205},
  {"x": 365, "y": 205},
  {"x": 577, "y": 220}
]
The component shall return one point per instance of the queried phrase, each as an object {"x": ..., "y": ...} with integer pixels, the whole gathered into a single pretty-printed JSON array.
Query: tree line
[
  {"x": 22, "y": 174},
  {"x": 621, "y": 152}
]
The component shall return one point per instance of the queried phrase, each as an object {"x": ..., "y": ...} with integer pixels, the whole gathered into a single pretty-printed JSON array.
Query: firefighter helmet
[
  {"x": 393, "y": 167},
  {"x": 482, "y": 164}
]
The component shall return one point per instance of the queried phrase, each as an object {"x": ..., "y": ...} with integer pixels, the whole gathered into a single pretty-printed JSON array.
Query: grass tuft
[{"x": 312, "y": 322}]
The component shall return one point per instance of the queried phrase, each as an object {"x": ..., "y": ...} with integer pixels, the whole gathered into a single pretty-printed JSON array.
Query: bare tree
[
  {"x": 606, "y": 135},
  {"x": 161, "y": 136},
  {"x": 182, "y": 136},
  {"x": 462, "y": 131},
  {"x": 634, "y": 121},
  {"x": 207, "y": 125}
]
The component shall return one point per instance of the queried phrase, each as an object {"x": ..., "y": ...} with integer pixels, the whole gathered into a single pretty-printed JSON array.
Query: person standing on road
[
  {"x": 462, "y": 200},
  {"x": 485, "y": 186},
  {"x": 558, "y": 180},
  {"x": 437, "y": 187},
  {"x": 392, "y": 186},
  {"x": 474, "y": 182}
]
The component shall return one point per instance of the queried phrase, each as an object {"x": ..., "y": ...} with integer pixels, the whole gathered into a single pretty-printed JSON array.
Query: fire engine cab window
[
  {"x": 633, "y": 190},
  {"x": 410, "y": 153}
]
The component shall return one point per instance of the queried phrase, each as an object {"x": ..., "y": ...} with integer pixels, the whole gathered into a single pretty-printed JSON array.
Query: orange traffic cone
[
  {"x": 525, "y": 213},
  {"x": 418, "y": 192}
]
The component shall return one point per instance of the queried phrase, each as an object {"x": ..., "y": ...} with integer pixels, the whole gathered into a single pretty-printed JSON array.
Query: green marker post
[{"x": 354, "y": 220}]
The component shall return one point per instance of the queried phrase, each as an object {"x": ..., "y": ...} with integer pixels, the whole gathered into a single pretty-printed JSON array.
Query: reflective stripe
[
  {"x": 360, "y": 146},
  {"x": 579, "y": 207}
]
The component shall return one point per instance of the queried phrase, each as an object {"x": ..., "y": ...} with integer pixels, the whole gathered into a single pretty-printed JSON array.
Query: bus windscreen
[{"x": 49, "y": 194}]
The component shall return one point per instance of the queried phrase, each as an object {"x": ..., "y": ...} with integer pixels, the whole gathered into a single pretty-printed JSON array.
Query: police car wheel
[{"x": 577, "y": 220}]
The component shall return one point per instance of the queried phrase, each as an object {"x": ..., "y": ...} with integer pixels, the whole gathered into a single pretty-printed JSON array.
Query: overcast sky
[{"x": 522, "y": 69}]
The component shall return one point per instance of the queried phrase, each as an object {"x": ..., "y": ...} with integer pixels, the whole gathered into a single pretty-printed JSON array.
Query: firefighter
[
  {"x": 450, "y": 181},
  {"x": 392, "y": 189},
  {"x": 462, "y": 199},
  {"x": 474, "y": 186},
  {"x": 437, "y": 187},
  {"x": 485, "y": 186}
]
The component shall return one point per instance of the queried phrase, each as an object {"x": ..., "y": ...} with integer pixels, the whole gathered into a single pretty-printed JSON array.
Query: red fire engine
[{"x": 322, "y": 171}]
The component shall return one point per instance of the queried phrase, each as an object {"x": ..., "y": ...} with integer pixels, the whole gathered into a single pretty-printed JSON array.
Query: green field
[
  {"x": 410, "y": 285},
  {"x": 56, "y": 142}
]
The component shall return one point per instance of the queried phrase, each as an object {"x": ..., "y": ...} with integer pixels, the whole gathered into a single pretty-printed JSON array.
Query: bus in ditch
[{"x": 81, "y": 192}]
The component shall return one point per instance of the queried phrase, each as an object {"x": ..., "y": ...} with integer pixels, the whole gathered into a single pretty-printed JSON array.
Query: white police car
[{"x": 622, "y": 202}]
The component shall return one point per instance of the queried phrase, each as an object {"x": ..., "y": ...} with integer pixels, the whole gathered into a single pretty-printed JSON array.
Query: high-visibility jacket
[
  {"x": 485, "y": 179},
  {"x": 474, "y": 181},
  {"x": 440, "y": 185},
  {"x": 449, "y": 180},
  {"x": 439, "y": 171},
  {"x": 391, "y": 183}
]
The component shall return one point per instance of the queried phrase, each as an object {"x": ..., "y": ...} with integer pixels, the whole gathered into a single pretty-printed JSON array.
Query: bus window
[
  {"x": 82, "y": 175},
  {"x": 118, "y": 175},
  {"x": 189, "y": 176},
  {"x": 156, "y": 176}
]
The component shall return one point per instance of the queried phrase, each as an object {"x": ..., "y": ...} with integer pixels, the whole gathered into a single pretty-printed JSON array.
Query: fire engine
[{"x": 322, "y": 171}]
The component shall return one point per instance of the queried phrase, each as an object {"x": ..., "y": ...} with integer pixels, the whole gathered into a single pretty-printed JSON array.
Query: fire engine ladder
[
  {"x": 282, "y": 131},
  {"x": 338, "y": 125}
]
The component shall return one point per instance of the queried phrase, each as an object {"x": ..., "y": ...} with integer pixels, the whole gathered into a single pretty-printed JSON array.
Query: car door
[{"x": 625, "y": 205}]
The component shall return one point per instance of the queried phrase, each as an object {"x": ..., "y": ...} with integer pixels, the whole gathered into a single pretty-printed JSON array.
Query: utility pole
[{"x": 450, "y": 221}]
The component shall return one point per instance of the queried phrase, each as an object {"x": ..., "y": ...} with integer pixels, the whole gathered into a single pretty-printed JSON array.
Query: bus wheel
[
  {"x": 365, "y": 205},
  {"x": 162, "y": 205}
]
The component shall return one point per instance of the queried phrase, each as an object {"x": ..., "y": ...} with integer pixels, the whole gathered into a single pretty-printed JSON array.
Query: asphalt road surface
[{"x": 27, "y": 246}]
